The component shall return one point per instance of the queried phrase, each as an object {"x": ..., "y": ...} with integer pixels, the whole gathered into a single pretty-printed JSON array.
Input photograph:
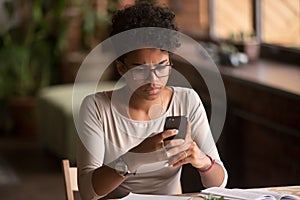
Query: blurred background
[{"x": 255, "y": 44}]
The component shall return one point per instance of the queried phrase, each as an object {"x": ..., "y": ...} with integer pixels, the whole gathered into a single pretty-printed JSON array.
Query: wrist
[
  {"x": 130, "y": 160},
  {"x": 207, "y": 168},
  {"x": 122, "y": 168}
]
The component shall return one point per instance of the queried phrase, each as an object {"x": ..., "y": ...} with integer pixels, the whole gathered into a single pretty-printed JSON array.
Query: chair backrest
[{"x": 70, "y": 179}]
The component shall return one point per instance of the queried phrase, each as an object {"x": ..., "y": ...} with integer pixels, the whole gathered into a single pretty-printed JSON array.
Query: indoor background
[{"x": 254, "y": 43}]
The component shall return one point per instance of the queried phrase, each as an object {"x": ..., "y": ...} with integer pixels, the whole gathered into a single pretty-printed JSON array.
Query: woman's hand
[
  {"x": 153, "y": 149},
  {"x": 156, "y": 142},
  {"x": 191, "y": 154}
]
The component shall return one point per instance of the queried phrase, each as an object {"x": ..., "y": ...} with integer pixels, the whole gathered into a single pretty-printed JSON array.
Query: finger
[
  {"x": 177, "y": 160},
  {"x": 170, "y": 144},
  {"x": 168, "y": 133},
  {"x": 188, "y": 131},
  {"x": 172, "y": 160},
  {"x": 179, "y": 156},
  {"x": 173, "y": 143},
  {"x": 179, "y": 148},
  {"x": 181, "y": 162}
]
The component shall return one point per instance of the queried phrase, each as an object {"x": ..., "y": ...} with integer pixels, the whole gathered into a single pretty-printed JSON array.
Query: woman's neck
[
  {"x": 145, "y": 109},
  {"x": 139, "y": 108}
]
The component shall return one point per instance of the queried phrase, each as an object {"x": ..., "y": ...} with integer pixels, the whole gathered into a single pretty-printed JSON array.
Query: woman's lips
[{"x": 153, "y": 91}]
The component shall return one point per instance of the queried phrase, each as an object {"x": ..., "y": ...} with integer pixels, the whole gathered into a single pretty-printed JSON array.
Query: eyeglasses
[{"x": 142, "y": 72}]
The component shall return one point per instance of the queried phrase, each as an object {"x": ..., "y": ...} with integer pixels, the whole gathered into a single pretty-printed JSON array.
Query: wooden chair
[{"x": 70, "y": 179}]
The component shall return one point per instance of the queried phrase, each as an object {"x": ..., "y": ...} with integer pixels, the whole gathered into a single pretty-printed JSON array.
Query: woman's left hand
[{"x": 192, "y": 154}]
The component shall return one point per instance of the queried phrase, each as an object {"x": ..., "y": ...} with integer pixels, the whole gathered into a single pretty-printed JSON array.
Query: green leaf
[{"x": 212, "y": 197}]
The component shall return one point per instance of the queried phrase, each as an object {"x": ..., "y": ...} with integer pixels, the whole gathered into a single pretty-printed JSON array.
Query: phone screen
[{"x": 176, "y": 122}]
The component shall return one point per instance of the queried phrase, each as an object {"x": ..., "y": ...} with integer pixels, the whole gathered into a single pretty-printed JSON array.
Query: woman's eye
[
  {"x": 160, "y": 67},
  {"x": 140, "y": 70}
]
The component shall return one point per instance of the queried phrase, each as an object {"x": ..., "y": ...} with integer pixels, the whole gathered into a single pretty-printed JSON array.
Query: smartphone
[{"x": 176, "y": 122}]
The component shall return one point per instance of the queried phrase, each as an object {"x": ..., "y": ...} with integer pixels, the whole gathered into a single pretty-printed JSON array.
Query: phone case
[{"x": 176, "y": 122}]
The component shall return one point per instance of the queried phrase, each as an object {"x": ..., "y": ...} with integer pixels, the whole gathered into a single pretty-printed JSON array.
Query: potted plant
[
  {"x": 29, "y": 51},
  {"x": 248, "y": 44}
]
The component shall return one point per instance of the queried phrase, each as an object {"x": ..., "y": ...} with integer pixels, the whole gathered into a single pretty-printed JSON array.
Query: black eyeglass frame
[{"x": 149, "y": 71}]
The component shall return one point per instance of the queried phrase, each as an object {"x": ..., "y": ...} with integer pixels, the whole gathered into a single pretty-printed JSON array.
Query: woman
[{"x": 132, "y": 153}]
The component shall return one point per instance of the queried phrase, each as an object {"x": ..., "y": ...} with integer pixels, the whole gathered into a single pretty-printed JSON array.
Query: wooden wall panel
[{"x": 260, "y": 141}]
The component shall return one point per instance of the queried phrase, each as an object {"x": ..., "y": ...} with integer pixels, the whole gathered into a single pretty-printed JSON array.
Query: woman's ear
[{"x": 120, "y": 67}]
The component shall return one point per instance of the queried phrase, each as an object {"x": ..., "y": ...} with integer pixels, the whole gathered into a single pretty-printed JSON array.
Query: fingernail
[
  {"x": 175, "y": 131},
  {"x": 167, "y": 165}
]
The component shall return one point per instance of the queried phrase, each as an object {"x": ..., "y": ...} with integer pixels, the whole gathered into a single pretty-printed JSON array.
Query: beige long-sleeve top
[{"x": 105, "y": 135}]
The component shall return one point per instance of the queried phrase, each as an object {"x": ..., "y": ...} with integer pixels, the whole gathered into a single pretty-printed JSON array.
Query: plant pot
[
  {"x": 252, "y": 50},
  {"x": 23, "y": 115}
]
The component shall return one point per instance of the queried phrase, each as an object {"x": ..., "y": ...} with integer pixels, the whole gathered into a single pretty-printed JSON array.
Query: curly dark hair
[
  {"x": 142, "y": 14},
  {"x": 145, "y": 14}
]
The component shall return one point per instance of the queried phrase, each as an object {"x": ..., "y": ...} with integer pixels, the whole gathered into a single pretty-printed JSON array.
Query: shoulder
[
  {"x": 182, "y": 92},
  {"x": 95, "y": 99}
]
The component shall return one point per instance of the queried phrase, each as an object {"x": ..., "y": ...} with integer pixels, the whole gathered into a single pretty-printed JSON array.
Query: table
[{"x": 294, "y": 190}]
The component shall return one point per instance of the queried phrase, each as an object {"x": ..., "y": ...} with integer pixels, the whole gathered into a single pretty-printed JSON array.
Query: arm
[
  {"x": 95, "y": 179},
  {"x": 104, "y": 179},
  {"x": 90, "y": 154},
  {"x": 215, "y": 176},
  {"x": 204, "y": 141},
  {"x": 201, "y": 143},
  {"x": 211, "y": 172}
]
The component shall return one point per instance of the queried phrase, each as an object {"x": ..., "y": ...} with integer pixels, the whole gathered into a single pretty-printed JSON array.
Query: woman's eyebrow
[{"x": 161, "y": 62}]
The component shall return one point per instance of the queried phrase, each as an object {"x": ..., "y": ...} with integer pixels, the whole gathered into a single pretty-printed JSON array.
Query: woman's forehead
[{"x": 147, "y": 55}]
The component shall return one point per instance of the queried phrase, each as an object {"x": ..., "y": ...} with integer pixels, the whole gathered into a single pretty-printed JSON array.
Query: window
[
  {"x": 231, "y": 19},
  {"x": 280, "y": 22},
  {"x": 277, "y": 21}
]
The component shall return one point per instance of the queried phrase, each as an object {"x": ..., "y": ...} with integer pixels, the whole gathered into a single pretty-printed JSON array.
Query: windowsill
[
  {"x": 278, "y": 77},
  {"x": 274, "y": 75}
]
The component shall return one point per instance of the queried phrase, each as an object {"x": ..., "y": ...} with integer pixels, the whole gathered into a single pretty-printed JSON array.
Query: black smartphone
[{"x": 176, "y": 122}]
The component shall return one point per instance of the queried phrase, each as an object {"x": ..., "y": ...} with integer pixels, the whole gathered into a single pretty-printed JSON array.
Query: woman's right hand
[
  {"x": 153, "y": 149},
  {"x": 156, "y": 142}
]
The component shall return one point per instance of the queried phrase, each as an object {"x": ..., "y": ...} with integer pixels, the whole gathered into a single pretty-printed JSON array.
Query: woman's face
[{"x": 146, "y": 71}]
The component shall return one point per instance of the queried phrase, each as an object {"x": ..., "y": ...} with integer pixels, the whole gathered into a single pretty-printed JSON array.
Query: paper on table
[
  {"x": 132, "y": 196},
  {"x": 248, "y": 194}
]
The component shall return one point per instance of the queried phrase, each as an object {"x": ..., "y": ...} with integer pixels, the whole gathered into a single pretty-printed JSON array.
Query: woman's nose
[{"x": 152, "y": 77}]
